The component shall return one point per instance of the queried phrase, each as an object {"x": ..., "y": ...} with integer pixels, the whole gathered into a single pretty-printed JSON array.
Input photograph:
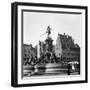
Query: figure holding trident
[{"x": 48, "y": 31}]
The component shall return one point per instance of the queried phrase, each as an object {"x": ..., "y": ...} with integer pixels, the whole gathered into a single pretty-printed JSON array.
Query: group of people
[{"x": 44, "y": 59}]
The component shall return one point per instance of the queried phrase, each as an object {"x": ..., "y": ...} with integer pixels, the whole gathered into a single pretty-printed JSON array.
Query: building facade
[
  {"x": 66, "y": 49},
  {"x": 29, "y": 52}
]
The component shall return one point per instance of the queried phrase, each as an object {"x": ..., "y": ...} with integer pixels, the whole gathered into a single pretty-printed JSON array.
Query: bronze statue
[{"x": 48, "y": 30}]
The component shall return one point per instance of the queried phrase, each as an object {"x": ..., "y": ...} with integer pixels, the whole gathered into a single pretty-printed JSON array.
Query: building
[
  {"x": 29, "y": 52},
  {"x": 66, "y": 49}
]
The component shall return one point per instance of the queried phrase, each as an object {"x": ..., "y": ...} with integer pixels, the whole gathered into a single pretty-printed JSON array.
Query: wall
[{"x": 5, "y": 46}]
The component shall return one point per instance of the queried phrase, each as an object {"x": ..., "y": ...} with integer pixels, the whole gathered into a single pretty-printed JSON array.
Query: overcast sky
[{"x": 35, "y": 24}]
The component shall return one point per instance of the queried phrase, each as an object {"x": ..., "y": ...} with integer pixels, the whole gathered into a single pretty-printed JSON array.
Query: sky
[{"x": 35, "y": 24}]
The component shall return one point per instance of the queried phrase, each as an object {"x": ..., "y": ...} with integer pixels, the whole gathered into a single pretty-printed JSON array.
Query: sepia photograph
[{"x": 49, "y": 44}]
